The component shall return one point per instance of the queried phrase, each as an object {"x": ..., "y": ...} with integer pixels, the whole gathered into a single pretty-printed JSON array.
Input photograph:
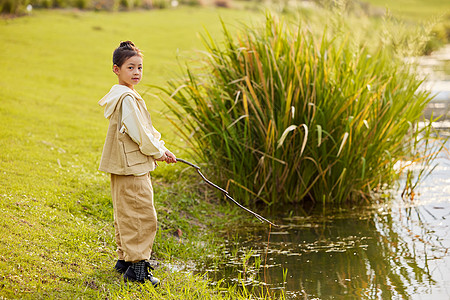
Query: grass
[
  {"x": 56, "y": 237},
  {"x": 296, "y": 117},
  {"x": 432, "y": 13},
  {"x": 415, "y": 9}
]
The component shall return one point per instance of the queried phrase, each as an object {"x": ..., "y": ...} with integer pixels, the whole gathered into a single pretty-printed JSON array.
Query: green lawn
[{"x": 56, "y": 233}]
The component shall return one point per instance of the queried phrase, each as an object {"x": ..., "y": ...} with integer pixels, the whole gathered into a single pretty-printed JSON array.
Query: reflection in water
[{"x": 394, "y": 250}]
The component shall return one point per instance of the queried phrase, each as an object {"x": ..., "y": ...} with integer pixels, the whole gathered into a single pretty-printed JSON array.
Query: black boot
[
  {"x": 122, "y": 266},
  {"x": 140, "y": 272}
]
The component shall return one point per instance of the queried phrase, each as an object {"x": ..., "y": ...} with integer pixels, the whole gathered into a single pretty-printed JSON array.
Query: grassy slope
[
  {"x": 415, "y": 9},
  {"x": 56, "y": 234}
]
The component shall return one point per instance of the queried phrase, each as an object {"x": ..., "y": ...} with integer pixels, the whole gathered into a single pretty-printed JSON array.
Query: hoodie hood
[{"x": 109, "y": 101}]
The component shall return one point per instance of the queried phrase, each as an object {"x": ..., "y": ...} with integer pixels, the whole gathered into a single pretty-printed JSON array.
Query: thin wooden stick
[{"x": 262, "y": 219}]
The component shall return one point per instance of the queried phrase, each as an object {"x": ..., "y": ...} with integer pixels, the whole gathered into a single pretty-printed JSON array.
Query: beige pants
[{"x": 134, "y": 216}]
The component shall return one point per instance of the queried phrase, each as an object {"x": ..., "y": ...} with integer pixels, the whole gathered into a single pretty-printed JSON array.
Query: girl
[{"x": 131, "y": 148}]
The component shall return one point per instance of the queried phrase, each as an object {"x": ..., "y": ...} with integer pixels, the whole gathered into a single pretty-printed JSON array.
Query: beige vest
[{"x": 121, "y": 155}]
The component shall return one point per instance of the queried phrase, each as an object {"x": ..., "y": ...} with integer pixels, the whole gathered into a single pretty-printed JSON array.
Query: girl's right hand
[
  {"x": 162, "y": 158},
  {"x": 170, "y": 157}
]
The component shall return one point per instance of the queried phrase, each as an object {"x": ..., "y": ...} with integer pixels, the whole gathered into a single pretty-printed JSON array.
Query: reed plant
[{"x": 283, "y": 115}]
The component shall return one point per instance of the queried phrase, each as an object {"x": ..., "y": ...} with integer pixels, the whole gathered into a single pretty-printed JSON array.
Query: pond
[
  {"x": 396, "y": 249},
  {"x": 392, "y": 250}
]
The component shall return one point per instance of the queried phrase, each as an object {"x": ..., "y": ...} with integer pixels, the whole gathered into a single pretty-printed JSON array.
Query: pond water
[
  {"x": 395, "y": 249},
  {"x": 398, "y": 249}
]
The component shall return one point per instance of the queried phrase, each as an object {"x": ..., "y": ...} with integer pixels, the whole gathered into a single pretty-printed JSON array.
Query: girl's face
[{"x": 130, "y": 73}]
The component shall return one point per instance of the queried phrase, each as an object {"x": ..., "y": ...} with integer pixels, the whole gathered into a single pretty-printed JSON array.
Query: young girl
[{"x": 131, "y": 148}]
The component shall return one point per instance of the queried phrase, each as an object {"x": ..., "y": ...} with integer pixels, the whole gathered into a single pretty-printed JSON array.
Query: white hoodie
[{"x": 133, "y": 123}]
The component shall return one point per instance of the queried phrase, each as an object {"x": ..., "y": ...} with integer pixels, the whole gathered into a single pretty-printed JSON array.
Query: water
[
  {"x": 436, "y": 68},
  {"x": 396, "y": 249}
]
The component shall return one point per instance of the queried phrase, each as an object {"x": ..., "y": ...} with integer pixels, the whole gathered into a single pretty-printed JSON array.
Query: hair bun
[
  {"x": 125, "y": 50},
  {"x": 127, "y": 44}
]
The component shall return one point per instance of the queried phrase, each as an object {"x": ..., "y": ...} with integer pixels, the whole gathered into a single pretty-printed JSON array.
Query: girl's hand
[
  {"x": 162, "y": 158},
  {"x": 170, "y": 157}
]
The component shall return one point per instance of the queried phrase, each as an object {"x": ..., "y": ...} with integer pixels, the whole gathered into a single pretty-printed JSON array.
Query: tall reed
[{"x": 290, "y": 116}]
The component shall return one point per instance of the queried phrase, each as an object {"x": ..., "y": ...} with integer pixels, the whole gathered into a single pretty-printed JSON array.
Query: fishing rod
[{"x": 262, "y": 219}]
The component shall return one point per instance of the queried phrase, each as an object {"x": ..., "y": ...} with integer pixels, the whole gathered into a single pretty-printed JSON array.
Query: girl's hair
[{"x": 125, "y": 51}]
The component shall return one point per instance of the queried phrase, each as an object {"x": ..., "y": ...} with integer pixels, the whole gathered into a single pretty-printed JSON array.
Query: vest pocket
[
  {"x": 133, "y": 155},
  {"x": 135, "y": 158}
]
